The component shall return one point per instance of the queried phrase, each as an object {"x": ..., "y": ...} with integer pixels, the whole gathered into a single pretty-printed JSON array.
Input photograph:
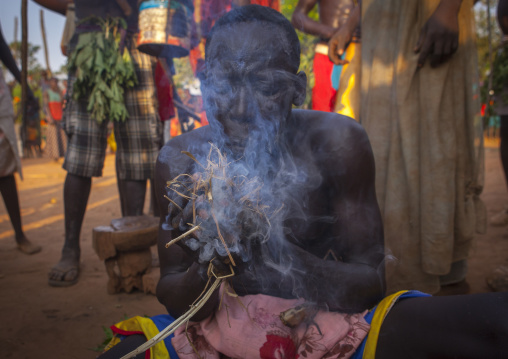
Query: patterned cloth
[
  {"x": 149, "y": 327},
  {"x": 9, "y": 157},
  {"x": 249, "y": 321},
  {"x": 56, "y": 141},
  {"x": 250, "y": 327},
  {"x": 376, "y": 316},
  {"x": 138, "y": 138}
]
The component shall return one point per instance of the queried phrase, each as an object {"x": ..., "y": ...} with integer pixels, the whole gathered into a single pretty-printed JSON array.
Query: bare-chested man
[
  {"x": 333, "y": 14},
  {"x": 313, "y": 176}
]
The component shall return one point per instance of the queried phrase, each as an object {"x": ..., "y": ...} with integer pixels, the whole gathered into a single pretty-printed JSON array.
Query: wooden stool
[{"x": 124, "y": 246}]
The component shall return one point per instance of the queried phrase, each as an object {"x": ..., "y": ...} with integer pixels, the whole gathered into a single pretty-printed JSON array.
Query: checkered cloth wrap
[{"x": 138, "y": 138}]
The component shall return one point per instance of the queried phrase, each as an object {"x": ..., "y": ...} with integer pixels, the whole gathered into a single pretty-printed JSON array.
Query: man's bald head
[{"x": 255, "y": 13}]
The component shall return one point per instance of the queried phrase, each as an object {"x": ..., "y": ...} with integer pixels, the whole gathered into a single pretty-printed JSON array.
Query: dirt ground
[{"x": 39, "y": 321}]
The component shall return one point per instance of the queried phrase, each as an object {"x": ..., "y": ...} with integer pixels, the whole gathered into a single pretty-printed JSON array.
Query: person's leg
[
  {"x": 460, "y": 326},
  {"x": 76, "y": 193},
  {"x": 133, "y": 193},
  {"x": 121, "y": 189},
  {"x": 10, "y": 195},
  {"x": 125, "y": 347},
  {"x": 154, "y": 204},
  {"x": 501, "y": 218},
  {"x": 138, "y": 139},
  {"x": 503, "y": 148}
]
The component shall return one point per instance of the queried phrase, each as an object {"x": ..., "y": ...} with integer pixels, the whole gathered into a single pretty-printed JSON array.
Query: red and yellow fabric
[
  {"x": 323, "y": 93},
  {"x": 140, "y": 325},
  {"x": 54, "y": 104},
  {"x": 164, "y": 93},
  {"x": 347, "y": 100}
]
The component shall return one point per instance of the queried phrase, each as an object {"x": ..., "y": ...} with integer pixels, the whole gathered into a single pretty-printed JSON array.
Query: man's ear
[{"x": 300, "y": 89}]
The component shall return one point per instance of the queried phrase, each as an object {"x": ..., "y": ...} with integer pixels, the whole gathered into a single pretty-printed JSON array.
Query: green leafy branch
[{"x": 102, "y": 72}]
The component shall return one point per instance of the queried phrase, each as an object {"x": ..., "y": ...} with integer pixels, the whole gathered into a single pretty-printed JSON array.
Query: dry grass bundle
[{"x": 217, "y": 173}]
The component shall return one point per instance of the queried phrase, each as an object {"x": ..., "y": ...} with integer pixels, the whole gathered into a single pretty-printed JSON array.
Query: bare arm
[
  {"x": 343, "y": 36},
  {"x": 356, "y": 281},
  {"x": 7, "y": 59},
  {"x": 9, "y": 62},
  {"x": 358, "y": 232},
  {"x": 302, "y": 22},
  {"x": 182, "y": 279}
]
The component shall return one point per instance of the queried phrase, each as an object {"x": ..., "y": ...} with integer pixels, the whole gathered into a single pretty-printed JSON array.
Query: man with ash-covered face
[{"x": 306, "y": 277}]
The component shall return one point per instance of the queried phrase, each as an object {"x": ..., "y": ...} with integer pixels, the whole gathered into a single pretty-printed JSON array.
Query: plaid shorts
[{"x": 138, "y": 137}]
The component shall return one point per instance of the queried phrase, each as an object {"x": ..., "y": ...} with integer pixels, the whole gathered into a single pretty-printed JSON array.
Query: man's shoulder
[
  {"x": 328, "y": 126},
  {"x": 193, "y": 141}
]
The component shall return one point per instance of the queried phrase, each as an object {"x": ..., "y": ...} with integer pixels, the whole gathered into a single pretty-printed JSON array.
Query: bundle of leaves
[{"x": 103, "y": 70}]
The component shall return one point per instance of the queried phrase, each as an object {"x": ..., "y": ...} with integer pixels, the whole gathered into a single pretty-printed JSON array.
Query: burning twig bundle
[{"x": 226, "y": 206}]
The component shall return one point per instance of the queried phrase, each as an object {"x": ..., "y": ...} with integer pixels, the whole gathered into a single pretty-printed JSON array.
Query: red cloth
[
  {"x": 164, "y": 94},
  {"x": 211, "y": 10},
  {"x": 274, "y": 4},
  {"x": 55, "y": 108},
  {"x": 323, "y": 94}
]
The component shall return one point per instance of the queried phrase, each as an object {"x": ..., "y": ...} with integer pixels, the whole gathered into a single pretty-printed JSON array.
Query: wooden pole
[
  {"x": 43, "y": 33},
  {"x": 24, "y": 67},
  {"x": 16, "y": 50},
  {"x": 491, "y": 61}
]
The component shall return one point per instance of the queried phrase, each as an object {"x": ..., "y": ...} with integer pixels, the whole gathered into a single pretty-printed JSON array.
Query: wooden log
[
  {"x": 132, "y": 266},
  {"x": 125, "y": 247},
  {"x": 150, "y": 281},
  {"x": 498, "y": 279},
  {"x": 125, "y": 234},
  {"x": 114, "y": 285}
]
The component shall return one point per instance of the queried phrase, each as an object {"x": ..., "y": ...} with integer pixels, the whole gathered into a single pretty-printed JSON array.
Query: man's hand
[
  {"x": 338, "y": 43},
  {"x": 342, "y": 37},
  {"x": 205, "y": 243},
  {"x": 439, "y": 37}
]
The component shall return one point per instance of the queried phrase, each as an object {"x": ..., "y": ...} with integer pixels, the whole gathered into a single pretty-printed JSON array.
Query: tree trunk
[
  {"x": 24, "y": 67},
  {"x": 43, "y": 33},
  {"x": 15, "y": 52}
]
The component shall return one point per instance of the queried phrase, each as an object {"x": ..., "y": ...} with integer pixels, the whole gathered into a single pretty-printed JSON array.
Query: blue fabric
[
  {"x": 162, "y": 321},
  {"x": 336, "y": 71},
  {"x": 358, "y": 354}
]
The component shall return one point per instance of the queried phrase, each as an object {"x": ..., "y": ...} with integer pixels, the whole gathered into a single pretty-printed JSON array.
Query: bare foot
[
  {"x": 65, "y": 273},
  {"x": 28, "y": 247}
]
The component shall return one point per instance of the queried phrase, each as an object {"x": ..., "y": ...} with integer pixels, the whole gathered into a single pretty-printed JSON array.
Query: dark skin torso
[
  {"x": 359, "y": 249},
  {"x": 334, "y": 149},
  {"x": 332, "y": 15}
]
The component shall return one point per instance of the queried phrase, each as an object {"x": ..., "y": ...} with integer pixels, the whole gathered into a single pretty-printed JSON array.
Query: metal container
[{"x": 164, "y": 28}]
